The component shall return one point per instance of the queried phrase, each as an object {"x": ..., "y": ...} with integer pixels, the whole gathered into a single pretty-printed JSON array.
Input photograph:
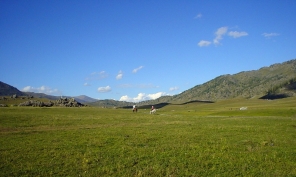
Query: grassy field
[{"x": 196, "y": 139}]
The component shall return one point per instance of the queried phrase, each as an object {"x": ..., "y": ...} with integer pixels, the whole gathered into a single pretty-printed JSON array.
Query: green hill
[{"x": 275, "y": 79}]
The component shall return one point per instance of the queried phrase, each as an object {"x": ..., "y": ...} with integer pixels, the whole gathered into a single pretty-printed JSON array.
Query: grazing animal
[
  {"x": 153, "y": 111},
  {"x": 135, "y": 110}
]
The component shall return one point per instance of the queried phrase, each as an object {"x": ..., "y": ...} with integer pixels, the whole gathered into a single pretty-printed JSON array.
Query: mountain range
[
  {"x": 8, "y": 90},
  {"x": 275, "y": 81}
]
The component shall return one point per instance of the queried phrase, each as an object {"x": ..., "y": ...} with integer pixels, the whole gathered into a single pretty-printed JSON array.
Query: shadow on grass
[
  {"x": 197, "y": 101},
  {"x": 157, "y": 106},
  {"x": 274, "y": 96},
  {"x": 161, "y": 105}
]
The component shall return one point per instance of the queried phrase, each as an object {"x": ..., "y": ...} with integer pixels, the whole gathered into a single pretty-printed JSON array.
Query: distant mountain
[
  {"x": 123, "y": 104},
  {"x": 163, "y": 99},
  {"x": 41, "y": 95},
  {"x": 84, "y": 99},
  {"x": 80, "y": 99},
  {"x": 8, "y": 90},
  {"x": 111, "y": 103}
]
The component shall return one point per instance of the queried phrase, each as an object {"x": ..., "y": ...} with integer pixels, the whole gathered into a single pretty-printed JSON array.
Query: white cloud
[
  {"x": 27, "y": 89},
  {"x": 203, "y": 43},
  {"x": 268, "y": 35},
  {"x": 124, "y": 98},
  {"x": 104, "y": 89},
  {"x": 42, "y": 89},
  {"x": 219, "y": 33},
  {"x": 119, "y": 75},
  {"x": 174, "y": 88},
  {"x": 97, "y": 76},
  {"x": 86, "y": 84},
  {"x": 198, "y": 16},
  {"x": 156, "y": 95},
  {"x": 137, "y": 69},
  {"x": 142, "y": 97},
  {"x": 236, "y": 34},
  {"x": 219, "y": 36}
]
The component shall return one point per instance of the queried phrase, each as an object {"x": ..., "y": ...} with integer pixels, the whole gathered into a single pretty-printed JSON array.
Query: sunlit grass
[{"x": 189, "y": 140}]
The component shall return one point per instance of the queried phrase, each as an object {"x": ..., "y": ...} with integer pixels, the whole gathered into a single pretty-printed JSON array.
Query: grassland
[{"x": 196, "y": 139}]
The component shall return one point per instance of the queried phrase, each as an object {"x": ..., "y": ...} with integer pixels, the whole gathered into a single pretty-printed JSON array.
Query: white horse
[{"x": 153, "y": 111}]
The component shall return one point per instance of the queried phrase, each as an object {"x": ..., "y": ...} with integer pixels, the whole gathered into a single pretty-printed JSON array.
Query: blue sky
[{"x": 138, "y": 50}]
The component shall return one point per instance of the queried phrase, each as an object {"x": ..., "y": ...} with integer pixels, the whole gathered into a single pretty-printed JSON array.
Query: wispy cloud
[
  {"x": 268, "y": 35},
  {"x": 142, "y": 97},
  {"x": 236, "y": 34},
  {"x": 174, "y": 88},
  {"x": 198, "y": 16},
  {"x": 125, "y": 86},
  {"x": 86, "y": 84},
  {"x": 137, "y": 69},
  {"x": 222, "y": 31},
  {"x": 219, "y": 35},
  {"x": 42, "y": 89},
  {"x": 97, "y": 75},
  {"x": 203, "y": 43},
  {"x": 146, "y": 86},
  {"x": 119, "y": 75},
  {"x": 137, "y": 86},
  {"x": 104, "y": 89}
]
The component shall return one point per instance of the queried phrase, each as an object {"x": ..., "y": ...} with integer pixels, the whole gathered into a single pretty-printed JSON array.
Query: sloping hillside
[
  {"x": 244, "y": 84},
  {"x": 85, "y": 99},
  {"x": 7, "y": 90},
  {"x": 110, "y": 103},
  {"x": 41, "y": 95}
]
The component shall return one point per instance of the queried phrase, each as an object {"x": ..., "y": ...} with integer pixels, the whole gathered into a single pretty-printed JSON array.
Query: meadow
[{"x": 196, "y": 139}]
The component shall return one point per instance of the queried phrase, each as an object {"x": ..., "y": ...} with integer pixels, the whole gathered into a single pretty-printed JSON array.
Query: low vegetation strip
[{"x": 117, "y": 142}]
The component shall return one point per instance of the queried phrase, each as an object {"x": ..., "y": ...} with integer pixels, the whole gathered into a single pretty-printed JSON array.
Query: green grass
[{"x": 179, "y": 140}]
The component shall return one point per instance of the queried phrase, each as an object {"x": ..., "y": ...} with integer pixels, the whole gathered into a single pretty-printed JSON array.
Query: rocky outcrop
[
  {"x": 36, "y": 103},
  {"x": 62, "y": 102},
  {"x": 68, "y": 102}
]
